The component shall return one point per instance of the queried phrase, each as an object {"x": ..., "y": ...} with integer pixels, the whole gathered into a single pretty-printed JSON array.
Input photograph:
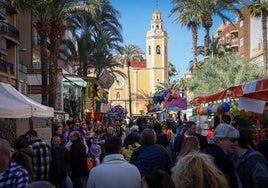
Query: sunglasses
[{"x": 233, "y": 140}]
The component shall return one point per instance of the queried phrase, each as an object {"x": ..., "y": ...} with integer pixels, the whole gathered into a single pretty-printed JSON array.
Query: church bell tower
[{"x": 157, "y": 51}]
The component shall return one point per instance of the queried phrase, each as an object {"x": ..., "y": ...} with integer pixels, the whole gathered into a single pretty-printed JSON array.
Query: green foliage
[
  {"x": 172, "y": 71},
  {"x": 218, "y": 73}
]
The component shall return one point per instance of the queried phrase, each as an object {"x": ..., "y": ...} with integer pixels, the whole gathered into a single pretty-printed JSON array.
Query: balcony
[
  {"x": 3, "y": 46},
  {"x": 10, "y": 32},
  {"x": 3, "y": 15},
  {"x": 5, "y": 66},
  {"x": 234, "y": 42}
]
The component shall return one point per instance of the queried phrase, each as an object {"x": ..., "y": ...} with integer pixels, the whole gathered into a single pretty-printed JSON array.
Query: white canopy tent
[{"x": 13, "y": 104}]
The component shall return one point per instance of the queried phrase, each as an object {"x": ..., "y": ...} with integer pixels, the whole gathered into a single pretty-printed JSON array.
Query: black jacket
[
  {"x": 78, "y": 159},
  {"x": 223, "y": 162},
  {"x": 59, "y": 164}
]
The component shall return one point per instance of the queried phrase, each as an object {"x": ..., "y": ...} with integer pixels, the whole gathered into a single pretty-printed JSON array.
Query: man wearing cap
[{"x": 222, "y": 145}]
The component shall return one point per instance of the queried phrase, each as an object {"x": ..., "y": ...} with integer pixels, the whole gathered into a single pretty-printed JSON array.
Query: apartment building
[
  {"x": 9, "y": 44},
  {"x": 244, "y": 36},
  {"x": 236, "y": 36}
]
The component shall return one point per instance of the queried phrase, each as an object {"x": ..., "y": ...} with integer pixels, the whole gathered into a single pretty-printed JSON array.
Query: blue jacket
[
  {"x": 151, "y": 157},
  {"x": 176, "y": 147}
]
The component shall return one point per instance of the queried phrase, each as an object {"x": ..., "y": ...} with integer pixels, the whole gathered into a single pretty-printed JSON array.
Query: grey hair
[
  {"x": 4, "y": 146},
  {"x": 224, "y": 130},
  {"x": 148, "y": 136}
]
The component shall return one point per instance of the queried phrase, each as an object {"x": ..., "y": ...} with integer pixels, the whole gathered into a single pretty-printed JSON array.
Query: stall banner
[
  {"x": 252, "y": 105},
  {"x": 106, "y": 79},
  {"x": 180, "y": 102},
  {"x": 250, "y": 87}
]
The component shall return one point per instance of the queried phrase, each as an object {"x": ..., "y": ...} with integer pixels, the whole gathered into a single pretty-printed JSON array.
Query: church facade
[{"x": 145, "y": 75}]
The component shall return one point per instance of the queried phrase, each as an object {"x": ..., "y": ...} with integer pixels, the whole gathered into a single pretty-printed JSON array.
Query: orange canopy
[
  {"x": 234, "y": 92},
  {"x": 257, "y": 89}
]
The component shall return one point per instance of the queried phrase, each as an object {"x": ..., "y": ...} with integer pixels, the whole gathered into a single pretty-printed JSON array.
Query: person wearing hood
[{"x": 23, "y": 155}]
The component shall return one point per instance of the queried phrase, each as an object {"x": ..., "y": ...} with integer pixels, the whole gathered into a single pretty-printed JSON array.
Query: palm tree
[
  {"x": 41, "y": 10},
  {"x": 56, "y": 34},
  {"x": 61, "y": 10},
  {"x": 209, "y": 8},
  {"x": 172, "y": 71},
  {"x": 188, "y": 16},
  {"x": 228, "y": 70},
  {"x": 103, "y": 21},
  {"x": 173, "y": 85},
  {"x": 259, "y": 8},
  {"x": 97, "y": 34},
  {"x": 130, "y": 52}
]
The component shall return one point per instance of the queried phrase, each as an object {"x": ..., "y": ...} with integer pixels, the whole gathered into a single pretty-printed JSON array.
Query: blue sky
[{"x": 136, "y": 17}]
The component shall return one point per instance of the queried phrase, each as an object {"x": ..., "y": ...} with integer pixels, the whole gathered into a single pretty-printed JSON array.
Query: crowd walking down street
[{"x": 116, "y": 154}]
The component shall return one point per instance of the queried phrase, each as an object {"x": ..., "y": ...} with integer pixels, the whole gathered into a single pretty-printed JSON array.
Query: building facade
[
  {"x": 145, "y": 75},
  {"x": 10, "y": 46},
  {"x": 244, "y": 36}
]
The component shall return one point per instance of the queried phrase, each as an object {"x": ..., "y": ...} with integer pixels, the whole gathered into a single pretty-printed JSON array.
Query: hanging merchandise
[{"x": 172, "y": 101}]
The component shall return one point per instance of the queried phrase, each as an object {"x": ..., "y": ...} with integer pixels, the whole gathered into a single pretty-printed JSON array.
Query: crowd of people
[{"x": 140, "y": 153}]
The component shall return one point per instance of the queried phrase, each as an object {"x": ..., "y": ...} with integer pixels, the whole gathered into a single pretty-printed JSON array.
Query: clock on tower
[{"x": 158, "y": 31}]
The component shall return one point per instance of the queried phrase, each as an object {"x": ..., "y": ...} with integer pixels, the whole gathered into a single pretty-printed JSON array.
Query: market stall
[
  {"x": 170, "y": 101},
  {"x": 18, "y": 114},
  {"x": 13, "y": 104},
  {"x": 246, "y": 103}
]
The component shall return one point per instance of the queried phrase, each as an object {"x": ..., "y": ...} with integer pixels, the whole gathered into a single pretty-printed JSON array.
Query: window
[
  {"x": 149, "y": 50},
  {"x": 241, "y": 24},
  {"x": 118, "y": 95},
  {"x": 157, "y": 80},
  {"x": 158, "y": 50},
  {"x": 241, "y": 43},
  {"x": 227, "y": 38}
]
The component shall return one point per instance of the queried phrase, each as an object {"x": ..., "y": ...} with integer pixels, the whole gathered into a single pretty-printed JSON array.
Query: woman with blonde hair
[
  {"x": 189, "y": 144},
  {"x": 197, "y": 170}
]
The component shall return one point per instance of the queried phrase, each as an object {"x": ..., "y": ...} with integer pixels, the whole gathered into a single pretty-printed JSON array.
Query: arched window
[
  {"x": 118, "y": 95},
  {"x": 158, "y": 49}
]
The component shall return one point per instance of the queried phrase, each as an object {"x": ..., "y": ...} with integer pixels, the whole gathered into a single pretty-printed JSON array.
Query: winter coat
[
  {"x": 59, "y": 164},
  {"x": 223, "y": 162},
  {"x": 151, "y": 157},
  {"x": 78, "y": 159}
]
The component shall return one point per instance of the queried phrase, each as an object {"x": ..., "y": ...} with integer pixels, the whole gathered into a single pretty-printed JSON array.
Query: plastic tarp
[
  {"x": 255, "y": 96},
  {"x": 257, "y": 89},
  {"x": 14, "y": 104}
]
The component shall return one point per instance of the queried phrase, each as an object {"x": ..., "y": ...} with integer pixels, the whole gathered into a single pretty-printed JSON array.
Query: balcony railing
[
  {"x": 9, "y": 30},
  {"x": 3, "y": 14},
  {"x": 5, "y": 66}
]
